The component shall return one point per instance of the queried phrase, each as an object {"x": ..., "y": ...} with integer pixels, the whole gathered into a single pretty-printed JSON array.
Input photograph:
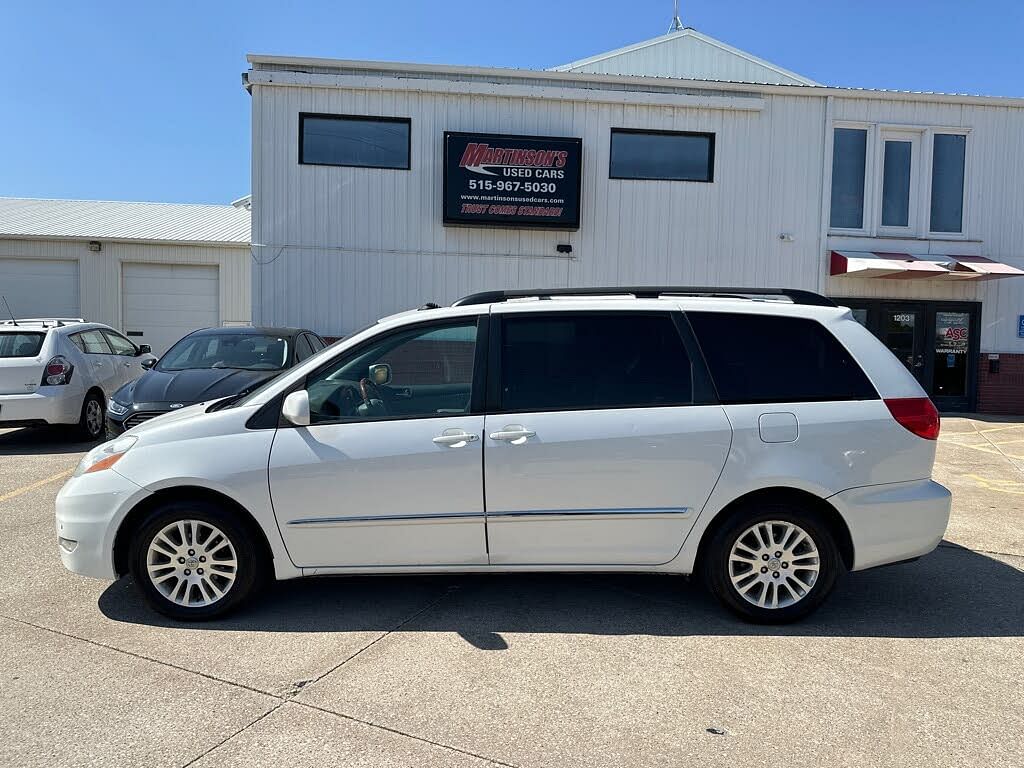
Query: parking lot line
[{"x": 36, "y": 484}]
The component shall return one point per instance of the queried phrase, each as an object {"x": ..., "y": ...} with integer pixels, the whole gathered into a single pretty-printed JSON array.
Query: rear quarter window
[
  {"x": 20, "y": 344},
  {"x": 765, "y": 358}
]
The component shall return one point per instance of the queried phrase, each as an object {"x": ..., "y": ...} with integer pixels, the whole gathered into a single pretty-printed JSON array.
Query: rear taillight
[
  {"x": 916, "y": 414},
  {"x": 57, "y": 371}
]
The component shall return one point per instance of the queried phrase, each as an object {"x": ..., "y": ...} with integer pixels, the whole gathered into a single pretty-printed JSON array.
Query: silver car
[{"x": 62, "y": 370}]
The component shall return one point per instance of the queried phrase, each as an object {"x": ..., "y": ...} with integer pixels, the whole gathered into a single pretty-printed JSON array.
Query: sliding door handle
[{"x": 516, "y": 434}]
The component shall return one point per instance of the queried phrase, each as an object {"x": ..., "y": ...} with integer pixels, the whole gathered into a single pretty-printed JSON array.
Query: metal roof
[
  {"x": 405, "y": 70},
  {"x": 682, "y": 54},
  {"x": 131, "y": 222}
]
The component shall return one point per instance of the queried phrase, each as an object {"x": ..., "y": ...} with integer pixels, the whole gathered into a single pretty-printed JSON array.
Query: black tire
[
  {"x": 248, "y": 556},
  {"x": 90, "y": 426},
  {"x": 718, "y": 571}
]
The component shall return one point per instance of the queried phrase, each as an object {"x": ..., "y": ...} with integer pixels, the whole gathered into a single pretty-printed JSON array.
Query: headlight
[
  {"x": 105, "y": 456},
  {"x": 116, "y": 408}
]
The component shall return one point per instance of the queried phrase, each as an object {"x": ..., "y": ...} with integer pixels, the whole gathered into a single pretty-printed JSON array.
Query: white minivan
[{"x": 760, "y": 438}]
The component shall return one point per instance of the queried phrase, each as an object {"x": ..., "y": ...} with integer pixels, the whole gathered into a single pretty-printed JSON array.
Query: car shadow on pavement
[
  {"x": 953, "y": 592},
  {"x": 35, "y": 441}
]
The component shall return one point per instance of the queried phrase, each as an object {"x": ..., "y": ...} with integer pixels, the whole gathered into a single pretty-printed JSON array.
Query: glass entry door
[
  {"x": 952, "y": 357},
  {"x": 937, "y": 341},
  {"x": 902, "y": 332}
]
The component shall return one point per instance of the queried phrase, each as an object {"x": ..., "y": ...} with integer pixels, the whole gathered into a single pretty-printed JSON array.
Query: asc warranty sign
[{"x": 512, "y": 181}]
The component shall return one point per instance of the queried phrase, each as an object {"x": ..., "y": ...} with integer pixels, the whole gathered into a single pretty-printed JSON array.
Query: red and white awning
[
  {"x": 980, "y": 268},
  {"x": 904, "y": 266}
]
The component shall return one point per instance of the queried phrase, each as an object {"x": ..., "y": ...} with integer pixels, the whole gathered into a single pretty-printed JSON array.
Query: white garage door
[
  {"x": 163, "y": 302},
  {"x": 39, "y": 287}
]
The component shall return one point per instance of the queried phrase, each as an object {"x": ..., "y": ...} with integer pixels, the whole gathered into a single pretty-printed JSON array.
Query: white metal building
[
  {"x": 699, "y": 165},
  {"x": 156, "y": 271}
]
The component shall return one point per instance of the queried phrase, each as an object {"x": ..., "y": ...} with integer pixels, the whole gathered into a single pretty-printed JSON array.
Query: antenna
[
  {"x": 677, "y": 23},
  {"x": 9, "y": 310}
]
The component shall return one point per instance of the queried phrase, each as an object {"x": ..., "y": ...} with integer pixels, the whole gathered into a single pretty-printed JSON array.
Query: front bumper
[
  {"x": 47, "y": 405},
  {"x": 115, "y": 425},
  {"x": 138, "y": 413},
  {"x": 895, "y": 521},
  {"x": 89, "y": 510}
]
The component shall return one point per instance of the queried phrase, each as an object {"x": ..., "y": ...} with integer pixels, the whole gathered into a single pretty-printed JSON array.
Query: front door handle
[
  {"x": 516, "y": 434},
  {"x": 455, "y": 438}
]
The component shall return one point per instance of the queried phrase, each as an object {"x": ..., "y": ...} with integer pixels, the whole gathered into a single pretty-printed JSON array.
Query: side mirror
[
  {"x": 380, "y": 374},
  {"x": 296, "y": 408},
  {"x": 149, "y": 362},
  {"x": 144, "y": 349}
]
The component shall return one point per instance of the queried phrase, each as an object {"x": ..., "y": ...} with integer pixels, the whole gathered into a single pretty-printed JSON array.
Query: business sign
[
  {"x": 1020, "y": 326},
  {"x": 952, "y": 332},
  {"x": 512, "y": 181}
]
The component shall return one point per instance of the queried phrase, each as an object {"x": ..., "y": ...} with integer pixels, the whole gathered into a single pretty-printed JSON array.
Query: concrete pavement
[{"x": 905, "y": 665}]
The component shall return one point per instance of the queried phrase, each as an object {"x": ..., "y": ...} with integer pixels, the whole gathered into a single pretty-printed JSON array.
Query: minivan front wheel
[
  {"x": 772, "y": 565},
  {"x": 193, "y": 561}
]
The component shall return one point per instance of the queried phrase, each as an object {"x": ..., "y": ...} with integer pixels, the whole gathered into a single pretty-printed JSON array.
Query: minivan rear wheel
[
  {"x": 772, "y": 563},
  {"x": 193, "y": 561}
]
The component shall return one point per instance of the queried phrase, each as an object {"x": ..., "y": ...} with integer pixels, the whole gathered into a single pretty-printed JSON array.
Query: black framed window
[
  {"x": 588, "y": 360},
  {"x": 356, "y": 141},
  {"x": 774, "y": 359},
  {"x": 426, "y": 371},
  {"x": 662, "y": 155}
]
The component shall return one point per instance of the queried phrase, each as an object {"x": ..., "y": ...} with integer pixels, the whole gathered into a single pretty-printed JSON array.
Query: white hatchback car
[
  {"x": 761, "y": 438},
  {"x": 62, "y": 370}
]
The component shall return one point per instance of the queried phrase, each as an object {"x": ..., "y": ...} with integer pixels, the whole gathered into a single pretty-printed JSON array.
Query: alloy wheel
[
  {"x": 94, "y": 417},
  {"x": 774, "y": 564},
  {"x": 192, "y": 563}
]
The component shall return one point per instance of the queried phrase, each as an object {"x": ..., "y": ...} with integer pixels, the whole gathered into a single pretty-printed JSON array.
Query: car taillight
[
  {"x": 916, "y": 414},
  {"x": 57, "y": 371}
]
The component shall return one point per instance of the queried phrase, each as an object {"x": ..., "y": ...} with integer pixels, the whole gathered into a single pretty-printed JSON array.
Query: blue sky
[{"x": 143, "y": 100}]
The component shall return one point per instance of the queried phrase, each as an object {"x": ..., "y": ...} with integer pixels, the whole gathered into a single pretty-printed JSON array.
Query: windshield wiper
[{"x": 231, "y": 399}]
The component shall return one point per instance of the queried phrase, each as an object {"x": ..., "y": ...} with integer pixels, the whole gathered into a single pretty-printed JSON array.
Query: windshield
[
  {"x": 254, "y": 394},
  {"x": 247, "y": 352},
  {"x": 20, "y": 344}
]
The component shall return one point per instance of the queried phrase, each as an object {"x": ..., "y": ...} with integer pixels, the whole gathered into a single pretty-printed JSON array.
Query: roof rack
[
  {"x": 55, "y": 322},
  {"x": 652, "y": 292}
]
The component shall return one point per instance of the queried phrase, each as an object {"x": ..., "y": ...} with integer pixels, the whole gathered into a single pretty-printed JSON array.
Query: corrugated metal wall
[
  {"x": 339, "y": 247},
  {"x": 100, "y": 272},
  {"x": 994, "y": 214}
]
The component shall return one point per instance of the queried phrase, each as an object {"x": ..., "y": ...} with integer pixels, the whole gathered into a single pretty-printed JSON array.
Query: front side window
[
  {"x": 364, "y": 142},
  {"x": 421, "y": 372},
  {"x": 119, "y": 344},
  {"x": 20, "y": 344},
  {"x": 947, "y": 208},
  {"x": 774, "y": 359},
  {"x": 849, "y": 156},
  {"x": 569, "y": 361},
  {"x": 248, "y": 352},
  {"x": 664, "y": 155},
  {"x": 302, "y": 348}
]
